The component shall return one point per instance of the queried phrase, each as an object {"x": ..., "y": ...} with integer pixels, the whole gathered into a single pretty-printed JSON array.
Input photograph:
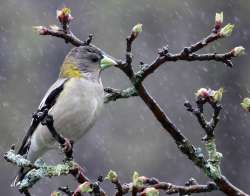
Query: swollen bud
[
  {"x": 227, "y": 30},
  {"x": 213, "y": 95},
  {"x": 218, "y": 20},
  {"x": 137, "y": 29},
  {"x": 202, "y": 93},
  {"x": 138, "y": 180},
  {"x": 217, "y": 95},
  {"x": 239, "y": 51},
  {"x": 245, "y": 104},
  {"x": 150, "y": 191},
  {"x": 112, "y": 176},
  {"x": 55, "y": 193},
  {"x": 85, "y": 187},
  {"x": 64, "y": 15}
]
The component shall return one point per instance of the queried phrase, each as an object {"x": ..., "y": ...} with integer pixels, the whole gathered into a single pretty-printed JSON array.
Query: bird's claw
[{"x": 68, "y": 147}]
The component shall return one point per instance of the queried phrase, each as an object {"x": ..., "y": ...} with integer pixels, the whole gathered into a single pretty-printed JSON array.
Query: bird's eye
[{"x": 94, "y": 58}]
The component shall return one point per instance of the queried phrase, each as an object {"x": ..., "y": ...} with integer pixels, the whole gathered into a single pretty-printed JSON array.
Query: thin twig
[
  {"x": 68, "y": 37},
  {"x": 119, "y": 188},
  {"x": 210, "y": 125},
  {"x": 114, "y": 94},
  {"x": 168, "y": 57},
  {"x": 168, "y": 188}
]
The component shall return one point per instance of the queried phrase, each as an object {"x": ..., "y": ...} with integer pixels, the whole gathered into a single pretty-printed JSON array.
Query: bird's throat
[{"x": 70, "y": 70}]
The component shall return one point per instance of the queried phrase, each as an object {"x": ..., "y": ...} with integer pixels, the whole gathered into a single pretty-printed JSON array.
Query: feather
[{"x": 48, "y": 101}]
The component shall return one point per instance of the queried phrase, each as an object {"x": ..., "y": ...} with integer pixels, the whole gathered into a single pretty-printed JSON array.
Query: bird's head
[{"x": 85, "y": 62}]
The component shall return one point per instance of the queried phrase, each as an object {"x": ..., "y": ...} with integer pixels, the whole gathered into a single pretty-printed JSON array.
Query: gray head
[{"x": 86, "y": 62}]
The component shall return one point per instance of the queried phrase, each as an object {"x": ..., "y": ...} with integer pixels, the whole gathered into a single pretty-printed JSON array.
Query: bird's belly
[
  {"x": 75, "y": 118},
  {"x": 74, "y": 112}
]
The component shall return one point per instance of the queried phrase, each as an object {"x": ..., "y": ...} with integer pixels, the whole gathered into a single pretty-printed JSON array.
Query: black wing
[{"x": 48, "y": 101}]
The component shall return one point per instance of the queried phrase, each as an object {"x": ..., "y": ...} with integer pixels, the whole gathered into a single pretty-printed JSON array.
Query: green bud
[
  {"x": 137, "y": 180},
  {"x": 151, "y": 191},
  {"x": 217, "y": 96},
  {"x": 55, "y": 193},
  {"x": 246, "y": 104},
  {"x": 239, "y": 51},
  {"x": 137, "y": 29},
  {"x": 112, "y": 176},
  {"x": 85, "y": 187},
  {"x": 227, "y": 30}
]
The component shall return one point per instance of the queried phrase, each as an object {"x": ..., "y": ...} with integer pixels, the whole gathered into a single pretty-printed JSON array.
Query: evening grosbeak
[{"x": 74, "y": 101}]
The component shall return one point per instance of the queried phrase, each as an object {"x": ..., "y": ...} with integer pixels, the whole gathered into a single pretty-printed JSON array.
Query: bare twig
[
  {"x": 114, "y": 94},
  {"x": 68, "y": 37},
  {"x": 89, "y": 40},
  {"x": 184, "y": 55},
  {"x": 208, "y": 126},
  {"x": 120, "y": 189},
  {"x": 185, "y": 190},
  {"x": 168, "y": 188}
]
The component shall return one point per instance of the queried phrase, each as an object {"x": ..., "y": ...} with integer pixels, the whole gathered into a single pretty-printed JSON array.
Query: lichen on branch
[
  {"x": 214, "y": 159},
  {"x": 39, "y": 169}
]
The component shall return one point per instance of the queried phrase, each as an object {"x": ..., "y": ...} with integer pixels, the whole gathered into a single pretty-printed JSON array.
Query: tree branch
[
  {"x": 149, "y": 184},
  {"x": 40, "y": 170},
  {"x": 182, "y": 142},
  {"x": 187, "y": 54},
  {"x": 57, "y": 32},
  {"x": 114, "y": 94},
  {"x": 198, "y": 112},
  {"x": 184, "y": 55}
]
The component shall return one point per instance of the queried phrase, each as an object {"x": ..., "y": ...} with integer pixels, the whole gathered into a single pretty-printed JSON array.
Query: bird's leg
[{"x": 66, "y": 144}]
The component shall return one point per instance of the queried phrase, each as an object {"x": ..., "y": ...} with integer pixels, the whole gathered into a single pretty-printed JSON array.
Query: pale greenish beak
[{"x": 107, "y": 62}]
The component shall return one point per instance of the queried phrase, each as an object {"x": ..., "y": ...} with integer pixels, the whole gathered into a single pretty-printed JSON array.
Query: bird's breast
[{"x": 76, "y": 108}]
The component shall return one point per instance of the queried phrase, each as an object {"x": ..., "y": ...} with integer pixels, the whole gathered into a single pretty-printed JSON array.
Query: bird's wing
[{"x": 49, "y": 100}]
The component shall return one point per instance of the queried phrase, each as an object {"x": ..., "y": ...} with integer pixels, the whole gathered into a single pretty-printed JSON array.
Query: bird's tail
[
  {"x": 32, "y": 155},
  {"x": 23, "y": 150}
]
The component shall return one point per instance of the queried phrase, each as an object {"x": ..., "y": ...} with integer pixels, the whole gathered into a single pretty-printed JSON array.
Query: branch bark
[
  {"x": 168, "y": 188},
  {"x": 114, "y": 94},
  {"x": 182, "y": 142}
]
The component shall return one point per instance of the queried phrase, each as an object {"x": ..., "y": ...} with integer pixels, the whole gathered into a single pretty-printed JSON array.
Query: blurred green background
[{"x": 126, "y": 137}]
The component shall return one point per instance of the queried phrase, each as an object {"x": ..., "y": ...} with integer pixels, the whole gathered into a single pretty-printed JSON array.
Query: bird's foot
[
  {"x": 65, "y": 143},
  {"x": 67, "y": 147}
]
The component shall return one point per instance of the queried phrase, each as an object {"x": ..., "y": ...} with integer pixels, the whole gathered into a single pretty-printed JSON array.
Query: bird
[{"x": 74, "y": 101}]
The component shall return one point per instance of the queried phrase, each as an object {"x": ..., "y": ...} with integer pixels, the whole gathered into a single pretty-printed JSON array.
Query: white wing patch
[{"x": 57, "y": 84}]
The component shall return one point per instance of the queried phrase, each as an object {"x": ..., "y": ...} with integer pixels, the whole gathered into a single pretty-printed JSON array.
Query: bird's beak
[{"x": 107, "y": 62}]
